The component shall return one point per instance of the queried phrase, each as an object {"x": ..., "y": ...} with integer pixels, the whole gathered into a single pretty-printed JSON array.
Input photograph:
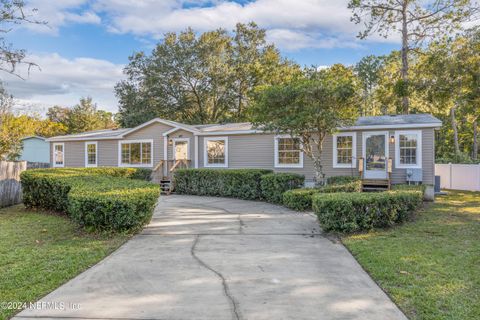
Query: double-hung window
[
  {"x": 344, "y": 150},
  {"x": 408, "y": 149},
  {"x": 216, "y": 152},
  {"x": 288, "y": 153},
  {"x": 58, "y": 155},
  {"x": 91, "y": 154},
  {"x": 135, "y": 153}
]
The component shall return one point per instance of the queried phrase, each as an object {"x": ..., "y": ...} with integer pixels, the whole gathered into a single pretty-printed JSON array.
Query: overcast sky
[{"x": 84, "y": 47}]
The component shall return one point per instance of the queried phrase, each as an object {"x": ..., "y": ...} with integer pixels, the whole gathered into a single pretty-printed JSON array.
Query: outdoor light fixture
[
  {"x": 170, "y": 142},
  {"x": 392, "y": 139}
]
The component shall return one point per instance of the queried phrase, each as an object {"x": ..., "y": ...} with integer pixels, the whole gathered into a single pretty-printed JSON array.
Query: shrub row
[
  {"x": 96, "y": 198},
  {"x": 301, "y": 199},
  {"x": 236, "y": 183},
  {"x": 351, "y": 212},
  {"x": 275, "y": 184},
  {"x": 247, "y": 184}
]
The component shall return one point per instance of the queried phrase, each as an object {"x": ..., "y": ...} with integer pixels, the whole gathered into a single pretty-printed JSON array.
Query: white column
[
  {"x": 195, "y": 156},
  {"x": 165, "y": 155}
]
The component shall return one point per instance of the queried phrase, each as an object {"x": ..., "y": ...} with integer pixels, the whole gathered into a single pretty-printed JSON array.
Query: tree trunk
[
  {"x": 404, "y": 53},
  {"x": 455, "y": 129},
  {"x": 475, "y": 141}
]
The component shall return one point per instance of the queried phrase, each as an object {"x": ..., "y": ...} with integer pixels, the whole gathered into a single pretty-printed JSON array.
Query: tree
[
  {"x": 13, "y": 12},
  {"x": 309, "y": 109},
  {"x": 208, "y": 78},
  {"x": 82, "y": 117},
  {"x": 368, "y": 72},
  {"x": 416, "y": 21}
]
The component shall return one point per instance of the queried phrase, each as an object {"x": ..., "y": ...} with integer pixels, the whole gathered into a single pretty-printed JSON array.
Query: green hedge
[
  {"x": 342, "y": 179},
  {"x": 236, "y": 183},
  {"x": 96, "y": 198},
  {"x": 351, "y": 212},
  {"x": 275, "y": 184},
  {"x": 301, "y": 199}
]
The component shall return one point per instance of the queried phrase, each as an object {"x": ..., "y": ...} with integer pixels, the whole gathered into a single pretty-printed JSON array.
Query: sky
[{"x": 84, "y": 46}]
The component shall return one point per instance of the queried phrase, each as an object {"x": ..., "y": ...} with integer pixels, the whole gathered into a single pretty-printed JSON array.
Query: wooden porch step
[
  {"x": 373, "y": 185},
  {"x": 166, "y": 186}
]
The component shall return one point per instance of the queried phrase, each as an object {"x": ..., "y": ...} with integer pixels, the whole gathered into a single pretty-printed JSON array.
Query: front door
[
  {"x": 375, "y": 153},
  {"x": 180, "y": 151}
]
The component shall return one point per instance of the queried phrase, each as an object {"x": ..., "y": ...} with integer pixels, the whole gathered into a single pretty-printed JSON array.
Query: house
[
  {"x": 394, "y": 148},
  {"x": 35, "y": 149}
]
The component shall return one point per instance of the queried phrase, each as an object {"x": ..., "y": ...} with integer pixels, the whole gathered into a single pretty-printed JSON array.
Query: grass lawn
[
  {"x": 40, "y": 251},
  {"x": 430, "y": 267}
]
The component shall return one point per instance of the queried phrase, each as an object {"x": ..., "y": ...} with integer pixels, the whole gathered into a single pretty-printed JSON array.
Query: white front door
[
  {"x": 180, "y": 149},
  {"x": 375, "y": 153}
]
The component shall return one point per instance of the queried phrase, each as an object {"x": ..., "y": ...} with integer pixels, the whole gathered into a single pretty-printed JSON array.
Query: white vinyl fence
[{"x": 459, "y": 176}]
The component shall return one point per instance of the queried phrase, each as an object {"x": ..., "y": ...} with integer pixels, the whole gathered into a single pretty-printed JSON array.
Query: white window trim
[
  {"x": 143, "y": 165},
  {"x": 419, "y": 149},
  {"x": 205, "y": 155},
  {"x": 284, "y": 165},
  {"x": 55, "y": 165},
  {"x": 187, "y": 140},
  {"x": 354, "y": 150},
  {"x": 86, "y": 154}
]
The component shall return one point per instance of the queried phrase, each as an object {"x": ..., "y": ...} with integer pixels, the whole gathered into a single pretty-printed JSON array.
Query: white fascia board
[
  {"x": 166, "y": 122},
  {"x": 392, "y": 126}
]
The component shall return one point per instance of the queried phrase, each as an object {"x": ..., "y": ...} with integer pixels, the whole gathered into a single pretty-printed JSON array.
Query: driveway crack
[{"x": 226, "y": 290}]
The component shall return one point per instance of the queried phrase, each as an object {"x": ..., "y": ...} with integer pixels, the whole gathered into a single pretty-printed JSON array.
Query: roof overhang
[{"x": 393, "y": 126}]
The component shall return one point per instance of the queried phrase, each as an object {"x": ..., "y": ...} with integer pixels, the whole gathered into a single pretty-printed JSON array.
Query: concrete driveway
[{"x": 216, "y": 258}]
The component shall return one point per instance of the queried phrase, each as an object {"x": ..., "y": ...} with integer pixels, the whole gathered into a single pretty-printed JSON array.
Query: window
[
  {"x": 58, "y": 155},
  {"x": 90, "y": 154},
  {"x": 287, "y": 152},
  {"x": 408, "y": 149},
  {"x": 216, "y": 152},
  {"x": 135, "y": 153},
  {"x": 345, "y": 150}
]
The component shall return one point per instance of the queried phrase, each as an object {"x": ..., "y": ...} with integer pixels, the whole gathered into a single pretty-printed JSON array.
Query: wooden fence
[{"x": 10, "y": 187}]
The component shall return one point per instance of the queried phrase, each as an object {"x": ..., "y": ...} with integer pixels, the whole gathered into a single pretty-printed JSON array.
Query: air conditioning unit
[{"x": 414, "y": 175}]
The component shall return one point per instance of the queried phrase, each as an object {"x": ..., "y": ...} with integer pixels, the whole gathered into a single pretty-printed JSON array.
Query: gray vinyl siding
[
  {"x": 155, "y": 132},
  {"x": 245, "y": 151},
  {"x": 107, "y": 153}
]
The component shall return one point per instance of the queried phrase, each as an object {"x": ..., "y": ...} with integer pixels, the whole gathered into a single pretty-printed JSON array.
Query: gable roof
[
  {"x": 373, "y": 122},
  {"x": 34, "y": 137}
]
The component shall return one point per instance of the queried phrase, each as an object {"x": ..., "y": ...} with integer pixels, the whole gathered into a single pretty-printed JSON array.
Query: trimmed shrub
[
  {"x": 236, "y": 183},
  {"x": 275, "y": 184},
  {"x": 95, "y": 199},
  {"x": 351, "y": 212},
  {"x": 342, "y": 179},
  {"x": 301, "y": 199}
]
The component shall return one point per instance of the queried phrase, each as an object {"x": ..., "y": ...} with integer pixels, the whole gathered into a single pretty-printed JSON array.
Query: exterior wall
[
  {"x": 245, "y": 151},
  {"x": 35, "y": 150},
  {"x": 153, "y": 131},
  {"x": 257, "y": 151}
]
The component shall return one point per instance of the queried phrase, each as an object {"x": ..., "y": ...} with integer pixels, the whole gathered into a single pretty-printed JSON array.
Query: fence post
[{"x": 450, "y": 174}]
